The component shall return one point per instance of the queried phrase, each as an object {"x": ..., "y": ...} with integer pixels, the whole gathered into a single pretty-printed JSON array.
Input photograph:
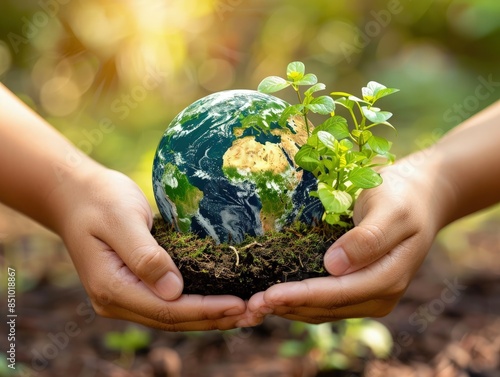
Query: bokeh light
[{"x": 139, "y": 63}]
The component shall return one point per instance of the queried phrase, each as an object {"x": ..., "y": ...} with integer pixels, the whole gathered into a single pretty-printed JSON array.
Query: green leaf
[
  {"x": 385, "y": 92},
  {"x": 375, "y": 87},
  {"x": 314, "y": 89},
  {"x": 336, "y": 125},
  {"x": 314, "y": 194},
  {"x": 359, "y": 100},
  {"x": 332, "y": 218},
  {"x": 307, "y": 158},
  {"x": 355, "y": 157},
  {"x": 309, "y": 79},
  {"x": 272, "y": 84},
  {"x": 343, "y": 94},
  {"x": 379, "y": 145},
  {"x": 334, "y": 201},
  {"x": 327, "y": 139},
  {"x": 295, "y": 71},
  {"x": 323, "y": 105},
  {"x": 330, "y": 164},
  {"x": 367, "y": 95},
  {"x": 313, "y": 140},
  {"x": 289, "y": 112},
  {"x": 345, "y": 145},
  {"x": 365, "y": 136},
  {"x": 371, "y": 90},
  {"x": 388, "y": 125},
  {"x": 365, "y": 178},
  {"x": 347, "y": 103},
  {"x": 369, "y": 154},
  {"x": 374, "y": 114}
]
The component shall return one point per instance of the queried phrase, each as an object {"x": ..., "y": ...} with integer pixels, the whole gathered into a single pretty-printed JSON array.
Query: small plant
[
  {"x": 341, "y": 158},
  {"x": 338, "y": 345},
  {"x": 127, "y": 343}
]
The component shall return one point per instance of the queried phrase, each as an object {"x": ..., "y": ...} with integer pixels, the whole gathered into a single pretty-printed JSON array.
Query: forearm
[
  {"x": 467, "y": 160},
  {"x": 34, "y": 160}
]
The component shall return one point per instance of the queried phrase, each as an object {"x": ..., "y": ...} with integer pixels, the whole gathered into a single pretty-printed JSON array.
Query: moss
[{"x": 294, "y": 254}]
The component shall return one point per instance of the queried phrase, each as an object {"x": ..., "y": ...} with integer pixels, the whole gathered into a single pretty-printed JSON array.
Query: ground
[
  {"x": 295, "y": 253},
  {"x": 447, "y": 324}
]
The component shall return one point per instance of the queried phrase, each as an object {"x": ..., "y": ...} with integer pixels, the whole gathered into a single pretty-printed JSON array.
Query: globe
[{"x": 225, "y": 168}]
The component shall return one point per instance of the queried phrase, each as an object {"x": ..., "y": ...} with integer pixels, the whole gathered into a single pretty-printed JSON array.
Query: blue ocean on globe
[{"x": 224, "y": 168}]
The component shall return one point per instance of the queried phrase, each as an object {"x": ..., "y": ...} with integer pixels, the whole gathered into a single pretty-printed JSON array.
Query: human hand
[
  {"x": 105, "y": 221},
  {"x": 372, "y": 264}
]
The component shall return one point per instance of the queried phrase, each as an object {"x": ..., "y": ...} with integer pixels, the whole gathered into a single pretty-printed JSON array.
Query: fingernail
[
  {"x": 336, "y": 261},
  {"x": 169, "y": 286}
]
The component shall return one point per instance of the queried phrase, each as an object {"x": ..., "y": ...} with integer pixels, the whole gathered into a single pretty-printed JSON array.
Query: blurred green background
[
  {"x": 81, "y": 64},
  {"x": 112, "y": 74}
]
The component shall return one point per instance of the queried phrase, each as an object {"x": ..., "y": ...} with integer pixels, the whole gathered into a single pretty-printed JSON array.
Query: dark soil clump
[{"x": 242, "y": 270}]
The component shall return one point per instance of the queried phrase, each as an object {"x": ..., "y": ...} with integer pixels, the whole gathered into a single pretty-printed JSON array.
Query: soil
[
  {"x": 242, "y": 270},
  {"x": 460, "y": 336}
]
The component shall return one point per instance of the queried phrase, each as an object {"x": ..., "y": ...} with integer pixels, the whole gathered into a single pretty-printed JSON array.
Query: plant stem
[
  {"x": 304, "y": 112},
  {"x": 353, "y": 118}
]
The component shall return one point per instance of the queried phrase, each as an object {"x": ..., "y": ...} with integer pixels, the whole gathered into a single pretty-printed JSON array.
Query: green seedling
[
  {"x": 338, "y": 345},
  {"x": 341, "y": 156},
  {"x": 127, "y": 343}
]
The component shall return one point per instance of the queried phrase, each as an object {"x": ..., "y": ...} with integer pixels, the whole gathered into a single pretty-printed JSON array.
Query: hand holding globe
[{"x": 247, "y": 170}]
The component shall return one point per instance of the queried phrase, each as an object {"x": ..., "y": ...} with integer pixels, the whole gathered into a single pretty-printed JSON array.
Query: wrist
[
  {"x": 66, "y": 195},
  {"x": 424, "y": 172}
]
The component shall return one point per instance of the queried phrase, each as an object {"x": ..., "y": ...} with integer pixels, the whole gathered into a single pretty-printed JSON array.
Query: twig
[
  {"x": 237, "y": 255},
  {"x": 255, "y": 243}
]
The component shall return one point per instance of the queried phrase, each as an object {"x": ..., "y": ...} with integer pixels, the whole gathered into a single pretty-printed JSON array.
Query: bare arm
[
  {"x": 104, "y": 220},
  {"x": 35, "y": 159},
  {"x": 373, "y": 264},
  {"x": 469, "y": 159}
]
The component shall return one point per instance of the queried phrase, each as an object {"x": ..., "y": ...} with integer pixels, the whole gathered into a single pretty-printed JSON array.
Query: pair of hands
[{"x": 106, "y": 222}]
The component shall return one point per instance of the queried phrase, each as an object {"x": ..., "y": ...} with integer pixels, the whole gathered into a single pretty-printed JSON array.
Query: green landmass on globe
[
  {"x": 236, "y": 212},
  {"x": 225, "y": 168}
]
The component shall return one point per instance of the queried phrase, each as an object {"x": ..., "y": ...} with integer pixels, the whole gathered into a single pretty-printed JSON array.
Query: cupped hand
[
  {"x": 371, "y": 265},
  {"x": 105, "y": 221}
]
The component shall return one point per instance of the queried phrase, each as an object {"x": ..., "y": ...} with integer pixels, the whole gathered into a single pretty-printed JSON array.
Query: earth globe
[{"x": 225, "y": 168}]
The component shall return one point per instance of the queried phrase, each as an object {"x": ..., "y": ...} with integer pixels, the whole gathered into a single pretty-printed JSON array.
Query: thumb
[
  {"x": 380, "y": 231},
  {"x": 138, "y": 249}
]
